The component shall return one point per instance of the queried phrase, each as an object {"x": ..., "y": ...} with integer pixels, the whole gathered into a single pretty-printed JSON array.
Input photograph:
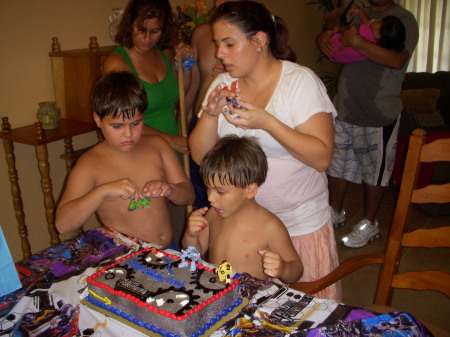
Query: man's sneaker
[
  {"x": 362, "y": 234},
  {"x": 337, "y": 219}
]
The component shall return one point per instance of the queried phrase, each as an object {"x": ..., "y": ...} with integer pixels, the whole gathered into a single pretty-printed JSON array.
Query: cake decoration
[
  {"x": 151, "y": 291},
  {"x": 191, "y": 256},
  {"x": 106, "y": 300},
  {"x": 224, "y": 272},
  {"x": 169, "y": 266}
]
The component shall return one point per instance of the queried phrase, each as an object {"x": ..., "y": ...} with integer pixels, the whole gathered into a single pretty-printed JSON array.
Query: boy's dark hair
[
  {"x": 251, "y": 17},
  {"x": 118, "y": 94},
  {"x": 392, "y": 33},
  {"x": 239, "y": 161}
]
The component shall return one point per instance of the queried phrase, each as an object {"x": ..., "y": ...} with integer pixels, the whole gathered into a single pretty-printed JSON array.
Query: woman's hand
[
  {"x": 184, "y": 50},
  {"x": 216, "y": 102},
  {"x": 250, "y": 117},
  {"x": 184, "y": 54},
  {"x": 178, "y": 143}
]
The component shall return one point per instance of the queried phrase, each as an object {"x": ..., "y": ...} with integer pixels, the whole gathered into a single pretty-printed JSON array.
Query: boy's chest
[
  {"x": 235, "y": 241},
  {"x": 140, "y": 170}
]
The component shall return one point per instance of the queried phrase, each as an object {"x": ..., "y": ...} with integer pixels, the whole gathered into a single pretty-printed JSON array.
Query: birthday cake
[{"x": 153, "y": 291}]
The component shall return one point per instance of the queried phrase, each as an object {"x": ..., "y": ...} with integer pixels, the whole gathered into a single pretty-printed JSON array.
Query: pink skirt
[{"x": 318, "y": 253}]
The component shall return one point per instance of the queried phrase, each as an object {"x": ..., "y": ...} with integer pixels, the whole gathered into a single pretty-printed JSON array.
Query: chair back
[
  {"x": 418, "y": 152},
  {"x": 345, "y": 268}
]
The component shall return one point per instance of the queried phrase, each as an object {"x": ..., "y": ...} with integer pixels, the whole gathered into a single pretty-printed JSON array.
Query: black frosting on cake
[{"x": 155, "y": 278}]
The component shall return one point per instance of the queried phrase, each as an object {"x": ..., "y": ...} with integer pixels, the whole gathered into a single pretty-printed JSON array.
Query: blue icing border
[{"x": 153, "y": 328}]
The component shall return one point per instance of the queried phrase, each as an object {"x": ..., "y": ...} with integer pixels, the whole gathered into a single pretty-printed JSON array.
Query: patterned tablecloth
[{"x": 54, "y": 282}]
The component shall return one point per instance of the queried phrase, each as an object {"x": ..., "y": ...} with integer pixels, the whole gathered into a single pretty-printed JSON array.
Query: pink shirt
[{"x": 348, "y": 54}]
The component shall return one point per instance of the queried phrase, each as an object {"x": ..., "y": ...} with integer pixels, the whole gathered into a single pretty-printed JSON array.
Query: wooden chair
[
  {"x": 418, "y": 152},
  {"x": 346, "y": 268}
]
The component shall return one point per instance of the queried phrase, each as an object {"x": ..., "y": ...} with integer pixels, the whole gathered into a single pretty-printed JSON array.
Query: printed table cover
[{"x": 54, "y": 282}]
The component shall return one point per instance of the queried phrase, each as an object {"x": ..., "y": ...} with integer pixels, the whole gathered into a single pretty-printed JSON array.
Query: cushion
[{"x": 421, "y": 105}]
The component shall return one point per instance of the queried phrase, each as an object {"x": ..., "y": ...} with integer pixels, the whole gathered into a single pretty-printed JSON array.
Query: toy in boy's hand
[
  {"x": 232, "y": 100},
  {"x": 141, "y": 204}
]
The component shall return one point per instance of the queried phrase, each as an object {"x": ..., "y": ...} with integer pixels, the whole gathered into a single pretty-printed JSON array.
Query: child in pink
[{"x": 388, "y": 32}]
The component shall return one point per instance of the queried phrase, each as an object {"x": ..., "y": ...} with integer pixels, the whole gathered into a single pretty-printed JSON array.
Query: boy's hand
[
  {"x": 273, "y": 264},
  {"x": 197, "y": 222},
  {"x": 123, "y": 188},
  {"x": 157, "y": 188}
]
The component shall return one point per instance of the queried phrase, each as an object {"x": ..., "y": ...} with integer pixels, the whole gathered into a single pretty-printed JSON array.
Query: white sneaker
[
  {"x": 337, "y": 219},
  {"x": 363, "y": 232}
]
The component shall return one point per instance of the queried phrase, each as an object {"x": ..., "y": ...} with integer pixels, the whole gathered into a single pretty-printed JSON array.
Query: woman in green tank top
[{"x": 146, "y": 48}]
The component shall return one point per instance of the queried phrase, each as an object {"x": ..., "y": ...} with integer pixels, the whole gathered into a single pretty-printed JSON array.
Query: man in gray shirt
[{"x": 366, "y": 127}]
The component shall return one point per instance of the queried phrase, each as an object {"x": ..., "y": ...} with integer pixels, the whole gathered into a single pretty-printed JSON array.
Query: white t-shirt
[{"x": 293, "y": 191}]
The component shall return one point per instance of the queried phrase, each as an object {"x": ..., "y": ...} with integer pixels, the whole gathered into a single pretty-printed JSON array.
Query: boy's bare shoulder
[
  {"x": 269, "y": 220},
  {"x": 153, "y": 138},
  {"x": 87, "y": 166},
  {"x": 91, "y": 154},
  {"x": 155, "y": 141},
  {"x": 147, "y": 143}
]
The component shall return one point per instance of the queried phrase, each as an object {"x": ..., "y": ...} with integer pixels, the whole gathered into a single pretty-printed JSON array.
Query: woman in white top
[{"x": 286, "y": 107}]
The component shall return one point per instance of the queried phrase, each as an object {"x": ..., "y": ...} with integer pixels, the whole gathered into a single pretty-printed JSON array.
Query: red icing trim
[{"x": 91, "y": 279}]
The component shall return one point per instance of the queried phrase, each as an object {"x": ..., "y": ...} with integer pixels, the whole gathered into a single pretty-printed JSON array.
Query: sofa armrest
[{"x": 439, "y": 80}]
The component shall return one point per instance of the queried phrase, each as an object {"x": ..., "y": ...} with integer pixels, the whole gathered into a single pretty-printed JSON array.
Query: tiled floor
[{"x": 359, "y": 288}]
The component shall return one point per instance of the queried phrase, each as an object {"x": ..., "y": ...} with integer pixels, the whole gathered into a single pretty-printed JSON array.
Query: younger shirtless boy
[
  {"x": 236, "y": 228},
  {"x": 126, "y": 166}
]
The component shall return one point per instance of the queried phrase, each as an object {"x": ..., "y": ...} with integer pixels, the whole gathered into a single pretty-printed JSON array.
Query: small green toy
[{"x": 141, "y": 204}]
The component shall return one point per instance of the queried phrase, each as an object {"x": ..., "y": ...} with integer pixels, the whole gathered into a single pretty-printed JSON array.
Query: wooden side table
[{"x": 36, "y": 136}]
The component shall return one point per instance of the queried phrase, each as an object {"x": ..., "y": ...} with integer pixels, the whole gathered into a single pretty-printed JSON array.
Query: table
[
  {"x": 36, "y": 136},
  {"x": 54, "y": 284}
]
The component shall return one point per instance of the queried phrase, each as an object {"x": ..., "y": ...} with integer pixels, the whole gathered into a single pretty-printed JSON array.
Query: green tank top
[{"x": 162, "y": 97}]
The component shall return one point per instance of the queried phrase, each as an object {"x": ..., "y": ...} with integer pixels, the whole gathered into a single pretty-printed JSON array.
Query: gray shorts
[{"x": 364, "y": 154}]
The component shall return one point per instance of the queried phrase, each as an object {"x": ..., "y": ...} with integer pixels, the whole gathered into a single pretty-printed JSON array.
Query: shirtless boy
[
  {"x": 127, "y": 166},
  {"x": 236, "y": 228}
]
